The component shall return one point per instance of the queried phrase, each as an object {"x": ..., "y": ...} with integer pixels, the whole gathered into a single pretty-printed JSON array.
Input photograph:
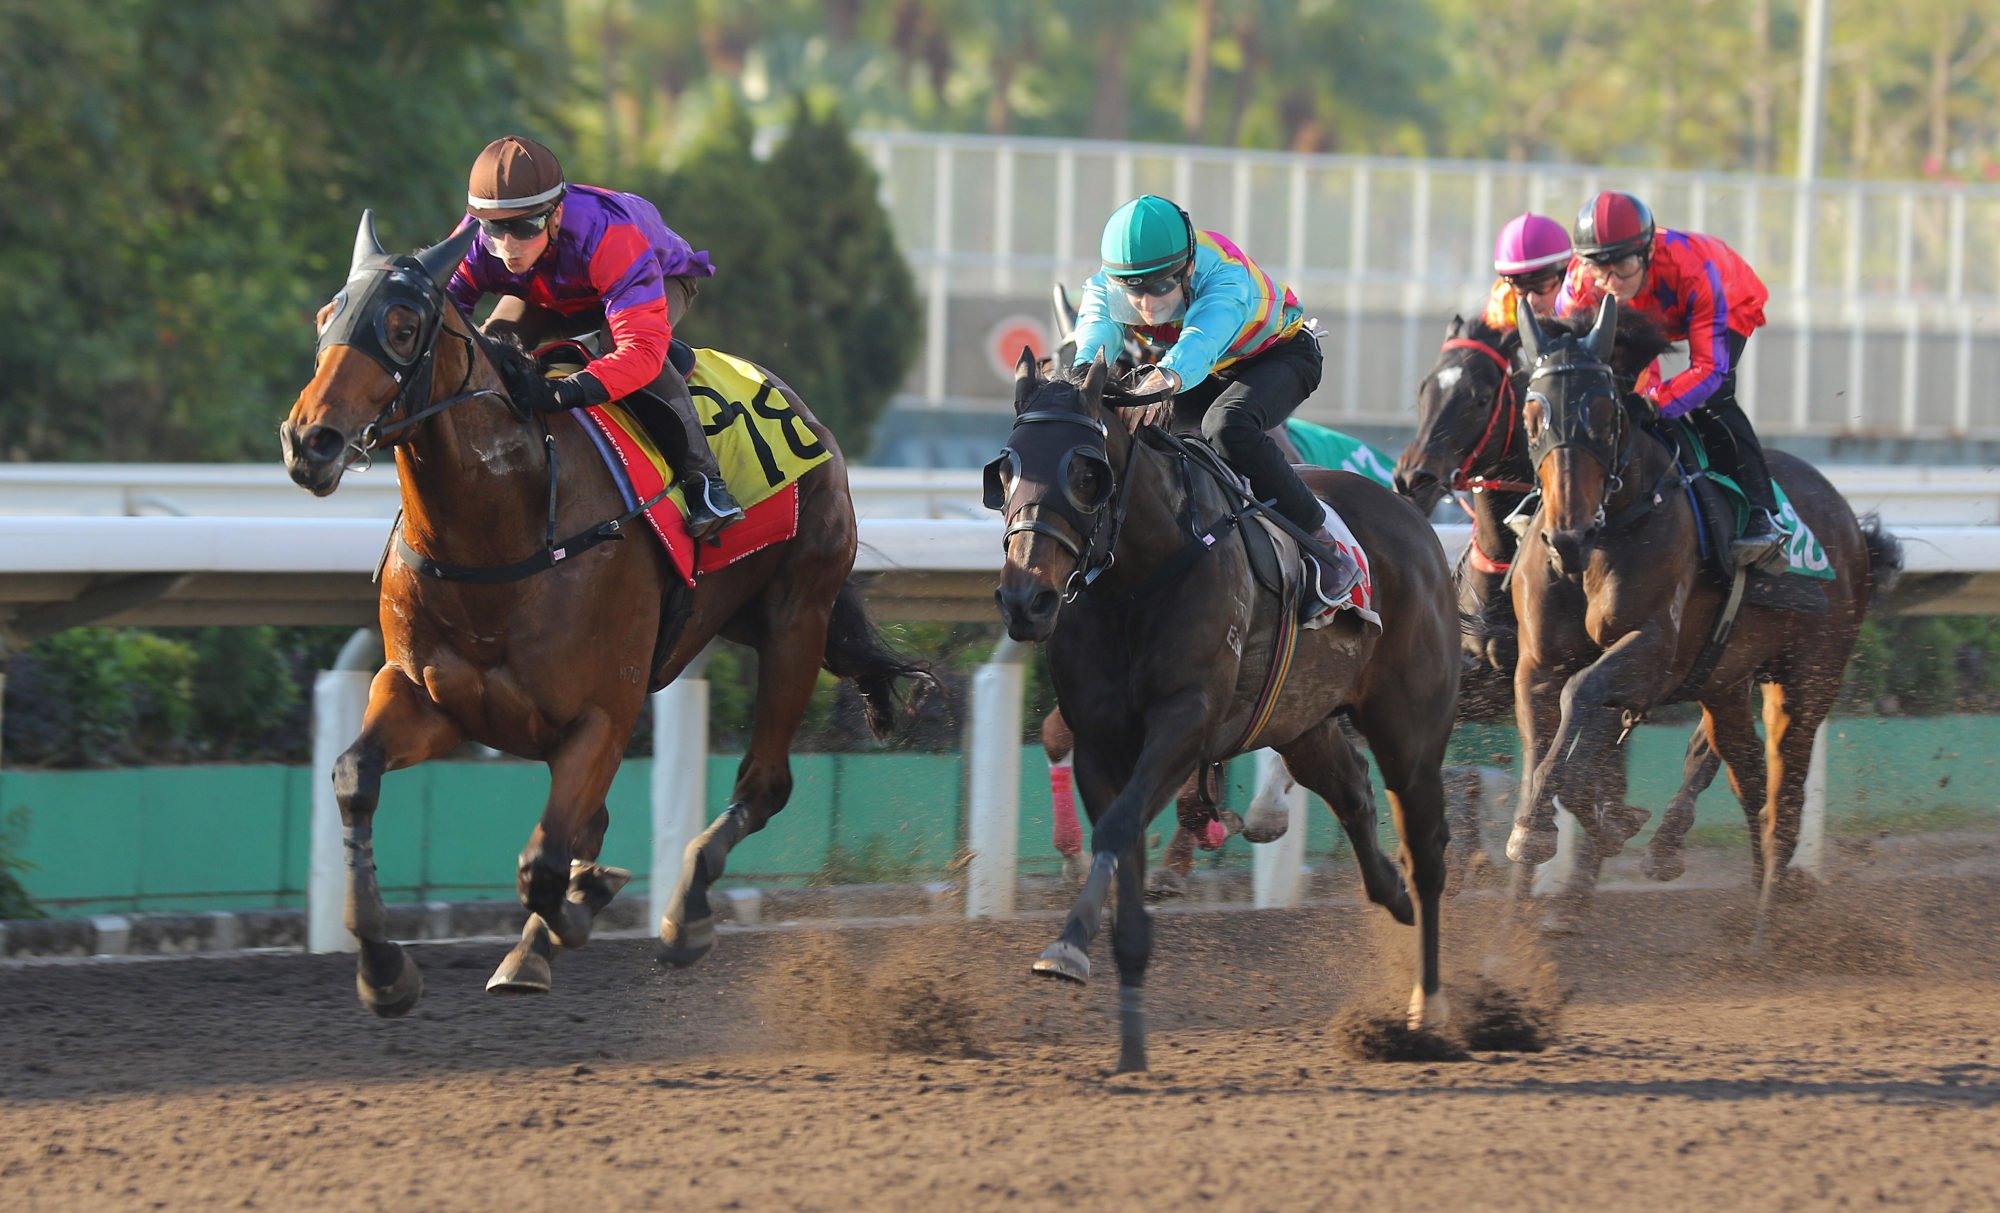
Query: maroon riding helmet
[{"x": 1613, "y": 226}]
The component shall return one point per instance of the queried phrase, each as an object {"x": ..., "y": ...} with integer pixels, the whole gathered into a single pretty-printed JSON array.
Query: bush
[
  {"x": 14, "y": 899},
  {"x": 98, "y": 697}
]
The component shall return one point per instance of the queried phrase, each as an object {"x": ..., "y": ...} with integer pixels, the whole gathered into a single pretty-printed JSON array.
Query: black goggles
[
  {"x": 1537, "y": 282},
  {"x": 520, "y": 227},
  {"x": 1154, "y": 286}
]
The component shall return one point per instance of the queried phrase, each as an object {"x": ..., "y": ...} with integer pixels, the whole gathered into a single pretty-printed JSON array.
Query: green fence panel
[{"x": 221, "y": 837}]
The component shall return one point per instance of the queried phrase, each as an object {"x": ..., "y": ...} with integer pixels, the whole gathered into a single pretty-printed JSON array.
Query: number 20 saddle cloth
[{"x": 761, "y": 443}]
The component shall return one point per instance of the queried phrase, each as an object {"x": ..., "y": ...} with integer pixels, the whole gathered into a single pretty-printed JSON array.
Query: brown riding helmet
[{"x": 513, "y": 176}]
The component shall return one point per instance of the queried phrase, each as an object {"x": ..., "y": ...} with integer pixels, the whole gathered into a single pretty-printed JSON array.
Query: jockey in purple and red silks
[
  {"x": 573, "y": 259},
  {"x": 1530, "y": 257},
  {"x": 1701, "y": 292}
]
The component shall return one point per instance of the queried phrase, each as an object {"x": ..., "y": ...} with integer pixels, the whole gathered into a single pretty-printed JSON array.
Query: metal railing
[{"x": 1884, "y": 317}]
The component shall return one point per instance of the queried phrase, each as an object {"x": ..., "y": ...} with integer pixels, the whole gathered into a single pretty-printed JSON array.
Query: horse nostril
[
  {"x": 323, "y": 442},
  {"x": 1044, "y": 602}
]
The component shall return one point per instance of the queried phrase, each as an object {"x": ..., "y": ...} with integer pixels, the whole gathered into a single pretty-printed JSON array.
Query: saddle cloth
[
  {"x": 1722, "y": 514},
  {"x": 759, "y": 440}
]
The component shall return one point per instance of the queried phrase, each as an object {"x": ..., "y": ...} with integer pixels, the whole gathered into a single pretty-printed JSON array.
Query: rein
[{"x": 1504, "y": 401}]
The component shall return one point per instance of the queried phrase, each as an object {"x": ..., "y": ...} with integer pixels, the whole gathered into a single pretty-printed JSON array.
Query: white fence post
[
  {"x": 680, "y": 777},
  {"x": 993, "y": 831},
  {"x": 1278, "y": 868},
  {"x": 339, "y": 698}
]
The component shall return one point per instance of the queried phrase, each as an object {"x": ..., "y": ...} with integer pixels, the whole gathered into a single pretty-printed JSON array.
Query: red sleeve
[
  {"x": 1707, "y": 343},
  {"x": 626, "y": 275}
]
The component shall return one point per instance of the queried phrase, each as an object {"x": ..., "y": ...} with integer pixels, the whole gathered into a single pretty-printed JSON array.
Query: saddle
[
  {"x": 1717, "y": 523},
  {"x": 1276, "y": 560}
]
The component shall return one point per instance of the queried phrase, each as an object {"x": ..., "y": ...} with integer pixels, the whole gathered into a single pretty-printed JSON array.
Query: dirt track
[{"x": 1860, "y": 1070}]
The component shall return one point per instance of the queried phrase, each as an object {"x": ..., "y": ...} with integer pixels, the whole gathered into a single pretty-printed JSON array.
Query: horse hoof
[
  {"x": 1527, "y": 845},
  {"x": 684, "y": 944},
  {"x": 1132, "y": 1060},
  {"x": 1065, "y": 961},
  {"x": 396, "y": 998},
  {"x": 1664, "y": 867},
  {"x": 1164, "y": 884},
  {"x": 592, "y": 886},
  {"x": 570, "y": 924},
  {"x": 1428, "y": 1014},
  {"x": 1267, "y": 824},
  {"x": 1622, "y": 822},
  {"x": 520, "y": 973}
]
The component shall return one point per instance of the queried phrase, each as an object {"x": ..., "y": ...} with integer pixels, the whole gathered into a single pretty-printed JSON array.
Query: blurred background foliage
[{"x": 183, "y": 180}]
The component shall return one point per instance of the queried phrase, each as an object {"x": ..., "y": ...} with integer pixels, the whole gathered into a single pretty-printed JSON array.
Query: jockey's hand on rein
[
  {"x": 576, "y": 391},
  {"x": 1159, "y": 411}
]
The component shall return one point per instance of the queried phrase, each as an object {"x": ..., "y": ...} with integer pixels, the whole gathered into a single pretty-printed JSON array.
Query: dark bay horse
[
  {"x": 1470, "y": 440},
  {"x": 545, "y": 647},
  {"x": 1616, "y": 609},
  {"x": 1148, "y": 629}
]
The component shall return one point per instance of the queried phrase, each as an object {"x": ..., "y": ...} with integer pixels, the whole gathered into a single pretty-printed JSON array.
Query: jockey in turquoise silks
[{"x": 1240, "y": 358}]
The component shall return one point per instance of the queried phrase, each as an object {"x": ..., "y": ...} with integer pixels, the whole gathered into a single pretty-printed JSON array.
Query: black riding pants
[
  {"x": 1234, "y": 407},
  {"x": 664, "y": 406},
  {"x": 1731, "y": 443}
]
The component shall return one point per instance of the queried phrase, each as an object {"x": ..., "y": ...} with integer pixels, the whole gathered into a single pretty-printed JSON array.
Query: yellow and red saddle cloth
[{"x": 760, "y": 441}]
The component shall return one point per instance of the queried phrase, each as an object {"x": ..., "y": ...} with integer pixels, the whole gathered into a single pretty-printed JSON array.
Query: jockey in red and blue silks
[
  {"x": 1703, "y": 293},
  {"x": 1241, "y": 359},
  {"x": 573, "y": 259}
]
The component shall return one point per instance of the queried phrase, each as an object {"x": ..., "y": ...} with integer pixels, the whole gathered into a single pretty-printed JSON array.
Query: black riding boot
[
  {"x": 667, "y": 411},
  {"x": 1745, "y": 457}
]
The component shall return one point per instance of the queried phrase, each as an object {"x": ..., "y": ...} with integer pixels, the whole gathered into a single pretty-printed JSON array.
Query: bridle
[
  {"x": 377, "y": 284},
  {"x": 1569, "y": 426},
  {"x": 1085, "y": 516},
  {"x": 1503, "y": 417}
]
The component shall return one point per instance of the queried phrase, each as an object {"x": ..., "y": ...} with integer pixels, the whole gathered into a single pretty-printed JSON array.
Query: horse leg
[
  {"x": 1733, "y": 735},
  {"x": 1792, "y": 716},
  {"x": 1537, "y": 714},
  {"x": 1169, "y": 880},
  {"x": 788, "y": 660},
  {"x": 1132, "y": 947},
  {"x": 1411, "y": 759},
  {"x": 526, "y": 969},
  {"x": 1663, "y": 855},
  {"x": 1578, "y": 762},
  {"x": 580, "y": 773},
  {"x": 400, "y": 728},
  {"x": 1169, "y": 754},
  {"x": 1325, "y": 761}
]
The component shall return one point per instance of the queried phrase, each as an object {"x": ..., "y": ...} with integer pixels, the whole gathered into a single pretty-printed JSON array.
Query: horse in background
[{"x": 1618, "y": 614}]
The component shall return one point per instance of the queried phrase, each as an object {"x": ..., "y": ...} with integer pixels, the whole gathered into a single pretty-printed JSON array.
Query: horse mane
[
  {"x": 1639, "y": 340},
  {"x": 526, "y": 386}
]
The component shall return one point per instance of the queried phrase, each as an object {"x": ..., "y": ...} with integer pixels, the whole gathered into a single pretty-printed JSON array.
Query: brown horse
[
  {"x": 1616, "y": 610},
  {"x": 540, "y": 646},
  {"x": 1148, "y": 628},
  {"x": 1470, "y": 440}
]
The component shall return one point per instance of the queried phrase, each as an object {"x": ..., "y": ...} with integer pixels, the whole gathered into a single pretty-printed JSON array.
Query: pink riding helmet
[{"x": 1528, "y": 243}]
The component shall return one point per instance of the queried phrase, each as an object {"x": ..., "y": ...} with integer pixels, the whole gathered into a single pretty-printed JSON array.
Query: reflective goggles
[
  {"x": 1153, "y": 286},
  {"x": 520, "y": 227}
]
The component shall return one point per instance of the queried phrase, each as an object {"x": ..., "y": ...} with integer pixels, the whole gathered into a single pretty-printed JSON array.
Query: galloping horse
[
  {"x": 1470, "y": 440},
  {"x": 1618, "y": 615},
  {"x": 1119, "y": 555},
  {"x": 545, "y": 648}
]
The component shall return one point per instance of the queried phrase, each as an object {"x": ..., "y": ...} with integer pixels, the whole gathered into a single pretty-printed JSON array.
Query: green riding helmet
[{"x": 1146, "y": 236}]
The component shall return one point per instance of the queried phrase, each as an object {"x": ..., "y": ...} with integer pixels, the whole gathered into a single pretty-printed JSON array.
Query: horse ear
[
  {"x": 1026, "y": 377},
  {"x": 440, "y": 259},
  {"x": 1452, "y": 330},
  {"x": 365, "y": 243},
  {"x": 1604, "y": 333},
  {"x": 1531, "y": 330},
  {"x": 1095, "y": 378}
]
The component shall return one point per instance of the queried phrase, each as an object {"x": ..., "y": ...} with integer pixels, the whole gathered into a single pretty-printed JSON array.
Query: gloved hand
[{"x": 577, "y": 391}]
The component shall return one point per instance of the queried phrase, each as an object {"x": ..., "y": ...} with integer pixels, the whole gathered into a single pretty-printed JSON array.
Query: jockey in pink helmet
[{"x": 1531, "y": 256}]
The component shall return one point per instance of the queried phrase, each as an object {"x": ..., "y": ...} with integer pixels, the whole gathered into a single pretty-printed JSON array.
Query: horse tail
[
  {"x": 1885, "y": 557},
  {"x": 857, "y": 651}
]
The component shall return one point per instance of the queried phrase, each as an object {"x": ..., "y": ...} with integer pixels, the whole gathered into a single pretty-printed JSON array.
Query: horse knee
[{"x": 357, "y": 783}]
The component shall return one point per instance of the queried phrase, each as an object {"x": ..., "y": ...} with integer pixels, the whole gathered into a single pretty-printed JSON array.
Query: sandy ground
[{"x": 1855, "y": 1067}]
